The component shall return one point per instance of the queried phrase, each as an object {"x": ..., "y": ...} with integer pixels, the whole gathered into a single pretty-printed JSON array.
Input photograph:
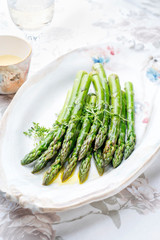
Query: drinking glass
[{"x": 31, "y": 15}]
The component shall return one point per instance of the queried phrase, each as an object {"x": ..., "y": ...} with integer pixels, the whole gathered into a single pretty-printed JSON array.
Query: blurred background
[{"x": 87, "y": 22}]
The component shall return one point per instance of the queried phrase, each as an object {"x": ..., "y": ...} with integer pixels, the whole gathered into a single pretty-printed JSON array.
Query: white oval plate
[{"x": 40, "y": 98}]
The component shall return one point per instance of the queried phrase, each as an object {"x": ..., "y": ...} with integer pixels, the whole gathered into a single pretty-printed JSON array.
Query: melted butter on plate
[
  {"x": 6, "y": 60},
  {"x": 71, "y": 180}
]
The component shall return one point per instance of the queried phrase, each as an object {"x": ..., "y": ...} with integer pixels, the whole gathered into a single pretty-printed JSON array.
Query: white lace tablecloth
[{"x": 134, "y": 213}]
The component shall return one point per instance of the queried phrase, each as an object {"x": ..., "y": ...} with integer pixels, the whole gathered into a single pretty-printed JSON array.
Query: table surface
[{"x": 133, "y": 213}]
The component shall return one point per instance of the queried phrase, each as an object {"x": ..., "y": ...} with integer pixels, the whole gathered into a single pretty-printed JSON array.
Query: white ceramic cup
[{"x": 14, "y": 75}]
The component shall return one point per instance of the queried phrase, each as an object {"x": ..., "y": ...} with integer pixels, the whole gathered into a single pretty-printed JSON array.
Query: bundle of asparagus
[{"x": 100, "y": 123}]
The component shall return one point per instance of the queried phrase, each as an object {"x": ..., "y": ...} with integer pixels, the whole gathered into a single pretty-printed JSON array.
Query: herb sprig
[{"x": 37, "y": 132}]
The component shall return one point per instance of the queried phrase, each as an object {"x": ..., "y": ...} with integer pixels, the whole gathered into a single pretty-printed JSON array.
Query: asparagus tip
[
  {"x": 45, "y": 182},
  {"x": 23, "y": 162},
  {"x": 64, "y": 178}
]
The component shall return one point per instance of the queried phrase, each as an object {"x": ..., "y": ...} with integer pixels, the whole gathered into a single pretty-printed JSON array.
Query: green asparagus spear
[
  {"x": 82, "y": 135},
  {"x": 118, "y": 156},
  {"x": 75, "y": 119},
  {"x": 61, "y": 122},
  {"x": 75, "y": 92},
  {"x": 98, "y": 118},
  {"x": 47, "y": 156},
  {"x": 85, "y": 167},
  {"x": 116, "y": 103},
  {"x": 76, "y": 116},
  {"x": 131, "y": 136},
  {"x": 102, "y": 133},
  {"x": 36, "y": 152},
  {"x": 55, "y": 168},
  {"x": 98, "y": 159}
]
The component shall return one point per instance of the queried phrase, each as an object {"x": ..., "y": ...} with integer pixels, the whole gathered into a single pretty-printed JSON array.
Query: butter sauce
[{"x": 6, "y": 60}]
